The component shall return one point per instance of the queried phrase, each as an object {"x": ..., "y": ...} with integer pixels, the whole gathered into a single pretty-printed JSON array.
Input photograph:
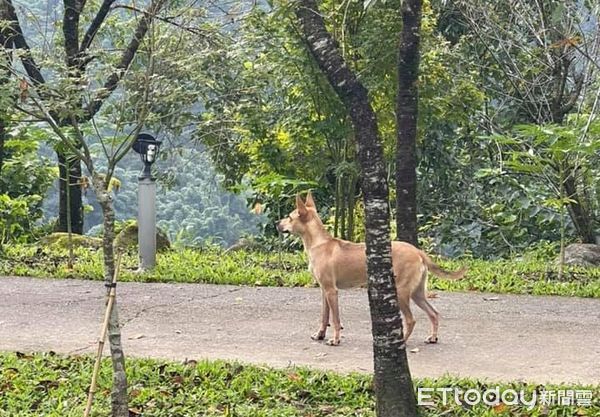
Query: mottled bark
[
  {"x": 407, "y": 106},
  {"x": 393, "y": 384},
  {"x": 119, "y": 399}
]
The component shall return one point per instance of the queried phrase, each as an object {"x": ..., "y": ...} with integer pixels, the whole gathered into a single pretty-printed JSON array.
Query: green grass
[
  {"x": 528, "y": 276},
  {"x": 56, "y": 386}
]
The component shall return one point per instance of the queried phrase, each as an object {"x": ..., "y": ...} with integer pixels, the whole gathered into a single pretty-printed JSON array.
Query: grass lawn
[
  {"x": 56, "y": 386},
  {"x": 528, "y": 276}
]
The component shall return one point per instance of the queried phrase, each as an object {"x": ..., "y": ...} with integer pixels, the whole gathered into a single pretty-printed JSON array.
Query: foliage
[
  {"x": 24, "y": 181},
  {"x": 531, "y": 274},
  {"x": 54, "y": 385},
  {"x": 555, "y": 155}
]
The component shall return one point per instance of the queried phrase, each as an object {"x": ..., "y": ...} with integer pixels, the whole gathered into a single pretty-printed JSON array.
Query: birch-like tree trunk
[
  {"x": 393, "y": 384},
  {"x": 407, "y": 106},
  {"x": 119, "y": 401}
]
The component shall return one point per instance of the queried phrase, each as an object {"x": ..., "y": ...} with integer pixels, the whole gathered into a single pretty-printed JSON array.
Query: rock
[
  {"x": 582, "y": 254},
  {"x": 243, "y": 244},
  {"x": 128, "y": 238},
  {"x": 61, "y": 240}
]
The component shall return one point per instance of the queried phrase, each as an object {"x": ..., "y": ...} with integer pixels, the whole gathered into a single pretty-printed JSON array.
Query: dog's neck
[{"x": 315, "y": 235}]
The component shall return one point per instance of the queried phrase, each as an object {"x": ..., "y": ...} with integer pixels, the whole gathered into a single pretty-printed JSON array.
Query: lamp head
[{"x": 147, "y": 147}]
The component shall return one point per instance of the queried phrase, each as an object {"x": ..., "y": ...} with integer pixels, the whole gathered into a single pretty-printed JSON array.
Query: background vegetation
[{"x": 254, "y": 116}]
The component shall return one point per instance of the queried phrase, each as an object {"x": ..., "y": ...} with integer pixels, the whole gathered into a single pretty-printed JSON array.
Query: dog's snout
[{"x": 280, "y": 227}]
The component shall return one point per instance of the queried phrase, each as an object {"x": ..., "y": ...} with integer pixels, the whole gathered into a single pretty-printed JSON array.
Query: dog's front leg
[
  {"x": 320, "y": 335},
  {"x": 332, "y": 299}
]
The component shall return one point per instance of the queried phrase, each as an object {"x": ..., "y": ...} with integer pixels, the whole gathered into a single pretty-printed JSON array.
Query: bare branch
[
  {"x": 90, "y": 34},
  {"x": 113, "y": 80},
  {"x": 8, "y": 13}
]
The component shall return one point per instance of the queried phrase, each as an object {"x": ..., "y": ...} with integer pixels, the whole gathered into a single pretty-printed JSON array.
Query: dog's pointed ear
[
  {"x": 309, "y": 200},
  {"x": 300, "y": 206}
]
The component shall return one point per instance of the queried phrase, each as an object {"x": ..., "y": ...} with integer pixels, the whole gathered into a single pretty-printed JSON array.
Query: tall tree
[
  {"x": 393, "y": 384},
  {"x": 407, "y": 106},
  {"x": 77, "y": 55},
  {"x": 66, "y": 103},
  {"x": 542, "y": 81}
]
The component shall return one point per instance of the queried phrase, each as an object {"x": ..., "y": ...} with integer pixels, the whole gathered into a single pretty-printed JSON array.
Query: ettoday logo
[{"x": 496, "y": 396}]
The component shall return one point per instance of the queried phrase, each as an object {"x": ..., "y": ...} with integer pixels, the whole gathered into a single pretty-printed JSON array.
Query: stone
[
  {"x": 61, "y": 240},
  {"x": 582, "y": 254},
  {"x": 128, "y": 238}
]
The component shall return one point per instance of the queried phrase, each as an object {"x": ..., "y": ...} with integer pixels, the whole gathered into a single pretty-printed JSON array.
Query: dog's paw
[
  {"x": 318, "y": 336},
  {"x": 333, "y": 342},
  {"x": 431, "y": 340}
]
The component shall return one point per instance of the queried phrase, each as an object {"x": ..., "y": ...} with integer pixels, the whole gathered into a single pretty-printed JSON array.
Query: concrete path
[{"x": 499, "y": 337}]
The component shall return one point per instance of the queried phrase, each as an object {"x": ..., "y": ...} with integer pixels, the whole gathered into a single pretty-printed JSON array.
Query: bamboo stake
[{"x": 103, "y": 331}]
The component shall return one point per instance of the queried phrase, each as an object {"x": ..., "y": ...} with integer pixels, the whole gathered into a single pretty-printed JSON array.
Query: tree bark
[
  {"x": 119, "y": 401},
  {"x": 407, "y": 107},
  {"x": 581, "y": 219},
  {"x": 2, "y": 140},
  {"x": 393, "y": 384},
  {"x": 74, "y": 204}
]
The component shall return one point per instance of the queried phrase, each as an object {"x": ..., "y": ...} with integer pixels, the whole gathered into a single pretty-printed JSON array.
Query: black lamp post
[{"x": 147, "y": 146}]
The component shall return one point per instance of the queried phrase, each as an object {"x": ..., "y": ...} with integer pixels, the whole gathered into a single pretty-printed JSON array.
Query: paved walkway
[{"x": 499, "y": 337}]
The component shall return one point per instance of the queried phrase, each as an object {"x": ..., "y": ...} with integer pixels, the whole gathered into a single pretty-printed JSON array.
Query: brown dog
[{"x": 338, "y": 264}]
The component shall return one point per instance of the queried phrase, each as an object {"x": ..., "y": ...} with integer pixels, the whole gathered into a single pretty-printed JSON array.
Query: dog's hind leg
[
  {"x": 420, "y": 299},
  {"x": 320, "y": 335},
  {"x": 409, "y": 320}
]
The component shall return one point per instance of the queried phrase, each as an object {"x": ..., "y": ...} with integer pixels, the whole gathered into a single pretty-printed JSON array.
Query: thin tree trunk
[
  {"x": 406, "y": 122},
  {"x": 393, "y": 384},
  {"x": 351, "y": 207},
  {"x": 75, "y": 202},
  {"x": 119, "y": 399},
  {"x": 338, "y": 203},
  {"x": 343, "y": 201},
  {"x": 578, "y": 212},
  {"x": 2, "y": 140}
]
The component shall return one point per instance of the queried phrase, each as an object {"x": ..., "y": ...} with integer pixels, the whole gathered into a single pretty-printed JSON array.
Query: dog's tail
[{"x": 437, "y": 270}]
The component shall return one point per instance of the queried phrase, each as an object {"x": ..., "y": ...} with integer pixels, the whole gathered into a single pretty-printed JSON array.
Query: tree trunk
[
  {"x": 393, "y": 385},
  {"x": 2, "y": 140},
  {"x": 119, "y": 399},
  {"x": 406, "y": 122},
  {"x": 75, "y": 191},
  {"x": 351, "y": 207},
  {"x": 579, "y": 215}
]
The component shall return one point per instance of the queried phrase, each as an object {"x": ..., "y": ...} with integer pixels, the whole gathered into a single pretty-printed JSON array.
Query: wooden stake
[{"x": 103, "y": 331}]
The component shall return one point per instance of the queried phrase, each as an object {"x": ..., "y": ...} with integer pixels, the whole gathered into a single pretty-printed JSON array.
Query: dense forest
[{"x": 508, "y": 134}]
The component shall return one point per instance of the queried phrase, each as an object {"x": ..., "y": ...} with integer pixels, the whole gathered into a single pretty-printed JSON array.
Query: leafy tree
[
  {"x": 540, "y": 81},
  {"x": 69, "y": 72},
  {"x": 24, "y": 180},
  {"x": 69, "y": 101},
  {"x": 393, "y": 385}
]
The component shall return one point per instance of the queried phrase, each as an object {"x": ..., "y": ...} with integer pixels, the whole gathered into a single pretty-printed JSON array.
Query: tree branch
[
  {"x": 7, "y": 12},
  {"x": 113, "y": 80},
  {"x": 95, "y": 25}
]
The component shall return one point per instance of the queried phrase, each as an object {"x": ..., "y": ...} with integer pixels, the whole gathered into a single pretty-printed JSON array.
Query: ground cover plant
[
  {"x": 49, "y": 385},
  {"x": 528, "y": 275}
]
